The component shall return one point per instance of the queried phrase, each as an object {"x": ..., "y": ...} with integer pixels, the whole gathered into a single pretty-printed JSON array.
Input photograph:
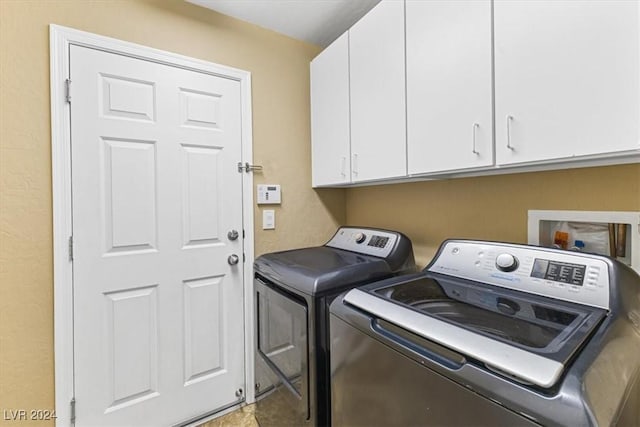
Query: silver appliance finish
[
  {"x": 506, "y": 334},
  {"x": 293, "y": 292}
]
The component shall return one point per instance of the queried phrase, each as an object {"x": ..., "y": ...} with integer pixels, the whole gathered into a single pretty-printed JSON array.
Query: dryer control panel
[
  {"x": 368, "y": 241},
  {"x": 569, "y": 276}
]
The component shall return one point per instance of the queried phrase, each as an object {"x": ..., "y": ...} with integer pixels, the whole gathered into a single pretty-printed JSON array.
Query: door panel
[
  {"x": 127, "y": 98},
  {"x": 201, "y": 181},
  {"x": 203, "y": 329},
  {"x": 132, "y": 334},
  {"x": 567, "y": 79},
  {"x": 330, "y": 139},
  {"x": 377, "y": 89},
  {"x": 158, "y": 311},
  {"x": 129, "y": 185},
  {"x": 449, "y": 111}
]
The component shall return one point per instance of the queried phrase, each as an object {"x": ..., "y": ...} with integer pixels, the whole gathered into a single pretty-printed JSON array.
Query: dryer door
[{"x": 282, "y": 372}]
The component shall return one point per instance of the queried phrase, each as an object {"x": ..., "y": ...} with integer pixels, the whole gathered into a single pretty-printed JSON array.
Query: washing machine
[{"x": 490, "y": 334}]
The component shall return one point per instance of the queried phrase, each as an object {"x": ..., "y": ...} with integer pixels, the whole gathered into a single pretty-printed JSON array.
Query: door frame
[{"x": 60, "y": 40}]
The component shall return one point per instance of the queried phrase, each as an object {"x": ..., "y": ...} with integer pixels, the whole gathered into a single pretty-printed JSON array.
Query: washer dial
[{"x": 506, "y": 262}]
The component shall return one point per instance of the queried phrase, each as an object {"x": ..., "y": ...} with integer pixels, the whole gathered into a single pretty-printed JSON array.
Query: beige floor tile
[{"x": 242, "y": 417}]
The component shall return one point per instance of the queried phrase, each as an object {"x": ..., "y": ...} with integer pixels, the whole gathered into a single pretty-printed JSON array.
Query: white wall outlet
[
  {"x": 269, "y": 194},
  {"x": 268, "y": 219}
]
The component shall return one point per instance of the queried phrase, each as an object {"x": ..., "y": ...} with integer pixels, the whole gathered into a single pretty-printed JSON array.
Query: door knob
[
  {"x": 232, "y": 235},
  {"x": 233, "y": 259}
]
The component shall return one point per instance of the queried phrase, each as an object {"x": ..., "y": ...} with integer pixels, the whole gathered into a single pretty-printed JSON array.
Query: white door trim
[{"x": 60, "y": 39}]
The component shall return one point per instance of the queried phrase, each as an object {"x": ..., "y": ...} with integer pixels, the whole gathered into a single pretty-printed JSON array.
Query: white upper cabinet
[
  {"x": 566, "y": 79},
  {"x": 449, "y": 110},
  {"x": 377, "y": 80},
  {"x": 479, "y": 85},
  {"x": 331, "y": 164}
]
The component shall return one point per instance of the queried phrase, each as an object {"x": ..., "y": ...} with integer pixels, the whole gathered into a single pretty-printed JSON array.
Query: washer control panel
[
  {"x": 569, "y": 276},
  {"x": 364, "y": 240}
]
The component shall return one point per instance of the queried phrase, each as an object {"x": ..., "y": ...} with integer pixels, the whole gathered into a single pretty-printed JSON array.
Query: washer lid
[
  {"x": 320, "y": 269},
  {"x": 527, "y": 337}
]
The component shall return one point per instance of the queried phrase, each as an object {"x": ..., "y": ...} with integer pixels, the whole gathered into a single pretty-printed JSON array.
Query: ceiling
[{"x": 314, "y": 21}]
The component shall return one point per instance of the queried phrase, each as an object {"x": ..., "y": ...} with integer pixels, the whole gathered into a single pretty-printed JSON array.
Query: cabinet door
[
  {"x": 566, "y": 79},
  {"x": 449, "y": 114},
  {"x": 378, "y": 120},
  {"x": 330, "y": 115}
]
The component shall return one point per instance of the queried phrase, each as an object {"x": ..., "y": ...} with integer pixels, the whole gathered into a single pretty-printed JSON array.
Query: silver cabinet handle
[
  {"x": 354, "y": 166},
  {"x": 232, "y": 234},
  {"x": 509, "y": 120},
  {"x": 475, "y": 126},
  {"x": 233, "y": 259}
]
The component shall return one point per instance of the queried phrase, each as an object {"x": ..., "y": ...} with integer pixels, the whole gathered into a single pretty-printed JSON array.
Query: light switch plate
[
  {"x": 268, "y": 194},
  {"x": 268, "y": 219}
]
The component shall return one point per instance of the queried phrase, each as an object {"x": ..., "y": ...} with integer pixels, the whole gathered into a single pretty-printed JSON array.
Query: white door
[
  {"x": 158, "y": 310},
  {"x": 378, "y": 119},
  {"x": 449, "y": 112},
  {"x": 330, "y": 139},
  {"x": 567, "y": 79}
]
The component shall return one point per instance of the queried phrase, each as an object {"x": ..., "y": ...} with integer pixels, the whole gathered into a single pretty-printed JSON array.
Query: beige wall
[
  {"x": 279, "y": 67},
  {"x": 490, "y": 207}
]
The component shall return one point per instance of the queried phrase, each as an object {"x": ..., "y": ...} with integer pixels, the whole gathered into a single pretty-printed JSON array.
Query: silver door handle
[
  {"x": 475, "y": 126},
  {"x": 232, "y": 235},
  {"x": 233, "y": 259},
  {"x": 509, "y": 119}
]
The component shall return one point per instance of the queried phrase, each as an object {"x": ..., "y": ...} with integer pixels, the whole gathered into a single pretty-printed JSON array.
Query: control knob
[
  {"x": 506, "y": 262},
  {"x": 360, "y": 237}
]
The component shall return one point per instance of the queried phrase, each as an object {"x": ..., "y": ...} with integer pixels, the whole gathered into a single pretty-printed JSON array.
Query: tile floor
[{"x": 242, "y": 417}]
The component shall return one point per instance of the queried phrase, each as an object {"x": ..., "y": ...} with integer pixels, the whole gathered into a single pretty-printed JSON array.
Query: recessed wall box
[
  {"x": 615, "y": 234},
  {"x": 269, "y": 194}
]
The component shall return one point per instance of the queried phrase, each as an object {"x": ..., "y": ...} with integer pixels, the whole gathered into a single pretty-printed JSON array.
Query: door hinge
[
  {"x": 70, "y": 248},
  {"x": 243, "y": 233},
  {"x": 72, "y": 417},
  {"x": 67, "y": 85},
  {"x": 244, "y": 258}
]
